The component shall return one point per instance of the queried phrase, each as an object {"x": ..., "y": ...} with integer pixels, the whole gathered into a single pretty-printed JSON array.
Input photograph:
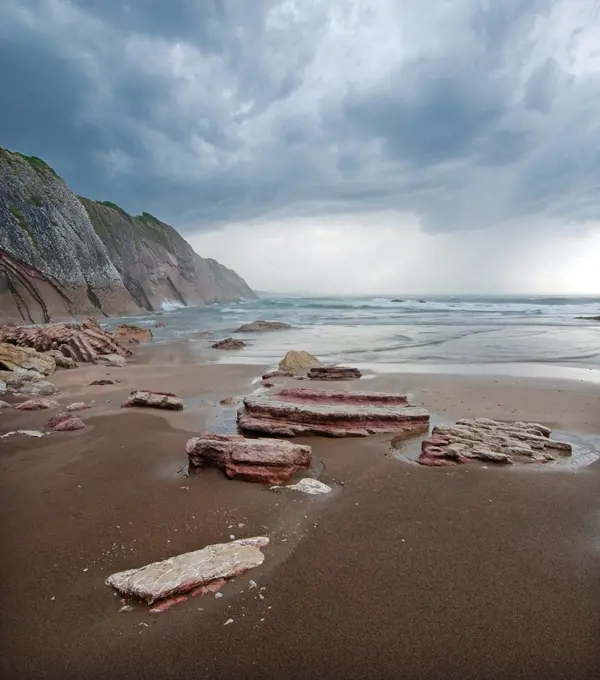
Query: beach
[{"x": 402, "y": 571}]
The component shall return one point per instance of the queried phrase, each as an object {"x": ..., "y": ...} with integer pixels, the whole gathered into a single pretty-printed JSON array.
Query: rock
[
  {"x": 3, "y": 387},
  {"x": 167, "y": 604},
  {"x": 261, "y": 326},
  {"x": 113, "y": 360},
  {"x": 64, "y": 422},
  {"x": 25, "y": 433},
  {"x": 397, "y": 300},
  {"x": 160, "y": 324},
  {"x": 278, "y": 374},
  {"x": 5, "y": 404},
  {"x": 229, "y": 343},
  {"x": 309, "y": 486},
  {"x": 37, "y": 405},
  {"x": 266, "y": 383},
  {"x": 491, "y": 441},
  {"x": 25, "y": 358},
  {"x": 28, "y": 383},
  {"x": 295, "y": 361},
  {"x": 189, "y": 571},
  {"x": 269, "y": 461},
  {"x": 203, "y": 334},
  {"x": 333, "y": 373},
  {"x": 61, "y": 360},
  {"x": 133, "y": 334},
  {"x": 589, "y": 318},
  {"x": 105, "y": 381},
  {"x": 230, "y": 401},
  {"x": 165, "y": 400},
  {"x": 78, "y": 406},
  {"x": 81, "y": 342},
  {"x": 300, "y": 411}
]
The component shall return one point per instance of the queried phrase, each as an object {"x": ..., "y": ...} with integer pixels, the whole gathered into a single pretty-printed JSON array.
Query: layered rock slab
[
  {"x": 254, "y": 460},
  {"x": 229, "y": 343},
  {"x": 164, "y": 400},
  {"x": 182, "y": 573},
  {"x": 333, "y": 373},
  {"x": 15, "y": 358},
  {"x": 490, "y": 441},
  {"x": 299, "y": 411}
]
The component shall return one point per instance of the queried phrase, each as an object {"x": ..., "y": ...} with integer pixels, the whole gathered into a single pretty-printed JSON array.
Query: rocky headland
[{"x": 65, "y": 256}]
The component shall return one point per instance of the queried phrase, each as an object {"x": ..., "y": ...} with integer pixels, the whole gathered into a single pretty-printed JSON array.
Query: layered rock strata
[{"x": 333, "y": 373}]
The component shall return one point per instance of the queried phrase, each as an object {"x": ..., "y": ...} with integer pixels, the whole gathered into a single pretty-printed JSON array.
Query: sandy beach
[{"x": 401, "y": 572}]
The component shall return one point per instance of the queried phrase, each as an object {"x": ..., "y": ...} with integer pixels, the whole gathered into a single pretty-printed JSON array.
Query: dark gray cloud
[{"x": 470, "y": 114}]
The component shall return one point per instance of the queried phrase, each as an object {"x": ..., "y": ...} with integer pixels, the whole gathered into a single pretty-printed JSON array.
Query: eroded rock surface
[
  {"x": 269, "y": 461},
  {"x": 261, "y": 326},
  {"x": 189, "y": 571},
  {"x": 132, "y": 334},
  {"x": 297, "y": 360},
  {"x": 229, "y": 343},
  {"x": 333, "y": 373},
  {"x": 25, "y": 358},
  {"x": 164, "y": 400},
  {"x": 64, "y": 422},
  {"x": 298, "y": 411},
  {"x": 490, "y": 441},
  {"x": 37, "y": 405}
]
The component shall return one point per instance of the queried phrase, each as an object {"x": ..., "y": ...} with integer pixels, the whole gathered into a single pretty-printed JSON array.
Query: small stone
[
  {"x": 126, "y": 608},
  {"x": 218, "y": 596},
  {"x": 252, "y": 585},
  {"x": 228, "y": 622}
]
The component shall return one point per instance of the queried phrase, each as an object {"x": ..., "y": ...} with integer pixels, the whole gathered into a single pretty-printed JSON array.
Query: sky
[{"x": 339, "y": 146}]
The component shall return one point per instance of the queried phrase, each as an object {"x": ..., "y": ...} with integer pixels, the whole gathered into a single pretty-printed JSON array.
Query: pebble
[
  {"x": 228, "y": 622},
  {"x": 218, "y": 596}
]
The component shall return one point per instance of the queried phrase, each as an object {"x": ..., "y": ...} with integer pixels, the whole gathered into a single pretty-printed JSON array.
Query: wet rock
[
  {"x": 25, "y": 433},
  {"x": 64, "y": 422},
  {"x": 105, "y": 381},
  {"x": 490, "y": 441},
  {"x": 268, "y": 461},
  {"x": 78, "y": 406},
  {"x": 37, "y": 405},
  {"x": 300, "y": 411},
  {"x": 189, "y": 571},
  {"x": 312, "y": 487},
  {"x": 589, "y": 318},
  {"x": 278, "y": 374},
  {"x": 25, "y": 359},
  {"x": 297, "y": 360},
  {"x": 26, "y": 383},
  {"x": 4, "y": 404},
  {"x": 333, "y": 373},
  {"x": 167, "y": 604},
  {"x": 132, "y": 334},
  {"x": 267, "y": 383},
  {"x": 230, "y": 401},
  {"x": 229, "y": 343},
  {"x": 261, "y": 326},
  {"x": 61, "y": 360},
  {"x": 203, "y": 334},
  {"x": 81, "y": 342},
  {"x": 113, "y": 360},
  {"x": 164, "y": 400},
  {"x": 160, "y": 324}
]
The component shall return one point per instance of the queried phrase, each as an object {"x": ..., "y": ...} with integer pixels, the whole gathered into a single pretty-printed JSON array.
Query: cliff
[{"x": 63, "y": 256}]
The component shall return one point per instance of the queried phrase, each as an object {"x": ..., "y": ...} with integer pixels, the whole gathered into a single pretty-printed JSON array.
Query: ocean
[{"x": 537, "y": 335}]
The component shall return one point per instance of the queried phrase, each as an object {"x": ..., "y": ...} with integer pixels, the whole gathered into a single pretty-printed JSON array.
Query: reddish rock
[
  {"x": 82, "y": 343},
  {"x": 164, "y": 400},
  {"x": 333, "y": 373},
  {"x": 268, "y": 461},
  {"x": 490, "y": 441},
  {"x": 64, "y": 422},
  {"x": 229, "y": 343},
  {"x": 37, "y": 405},
  {"x": 298, "y": 411},
  {"x": 163, "y": 605},
  {"x": 212, "y": 587},
  {"x": 133, "y": 334},
  {"x": 261, "y": 326}
]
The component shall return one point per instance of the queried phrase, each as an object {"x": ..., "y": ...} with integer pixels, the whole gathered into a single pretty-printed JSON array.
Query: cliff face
[{"x": 61, "y": 256}]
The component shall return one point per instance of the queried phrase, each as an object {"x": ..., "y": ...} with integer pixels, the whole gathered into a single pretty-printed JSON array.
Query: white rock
[
  {"x": 312, "y": 487},
  {"x": 27, "y": 433}
]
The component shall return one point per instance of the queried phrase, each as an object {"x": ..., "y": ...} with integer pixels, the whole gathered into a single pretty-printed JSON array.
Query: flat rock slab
[
  {"x": 298, "y": 411},
  {"x": 261, "y": 326},
  {"x": 491, "y": 441},
  {"x": 180, "y": 574},
  {"x": 333, "y": 373},
  {"x": 268, "y": 461},
  {"x": 164, "y": 400},
  {"x": 37, "y": 405},
  {"x": 26, "y": 359}
]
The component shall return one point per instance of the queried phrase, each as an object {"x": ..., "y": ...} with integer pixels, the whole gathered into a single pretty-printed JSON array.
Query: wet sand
[{"x": 401, "y": 572}]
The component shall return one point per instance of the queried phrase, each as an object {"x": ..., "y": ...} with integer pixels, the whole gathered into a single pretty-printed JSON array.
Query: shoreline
[{"x": 420, "y": 572}]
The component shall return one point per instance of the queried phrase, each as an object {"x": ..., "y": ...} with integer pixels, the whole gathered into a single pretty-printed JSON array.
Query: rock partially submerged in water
[
  {"x": 127, "y": 332},
  {"x": 491, "y": 441},
  {"x": 300, "y": 411},
  {"x": 165, "y": 400},
  {"x": 333, "y": 373},
  {"x": 297, "y": 360},
  {"x": 262, "y": 326},
  {"x": 182, "y": 573},
  {"x": 64, "y": 422},
  {"x": 37, "y": 405},
  {"x": 14, "y": 358},
  {"x": 229, "y": 343},
  {"x": 269, "y": 461}
]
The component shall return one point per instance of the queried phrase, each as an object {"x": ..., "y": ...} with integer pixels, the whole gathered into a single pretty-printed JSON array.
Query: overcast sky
[{"x": 328, "y": 145}]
